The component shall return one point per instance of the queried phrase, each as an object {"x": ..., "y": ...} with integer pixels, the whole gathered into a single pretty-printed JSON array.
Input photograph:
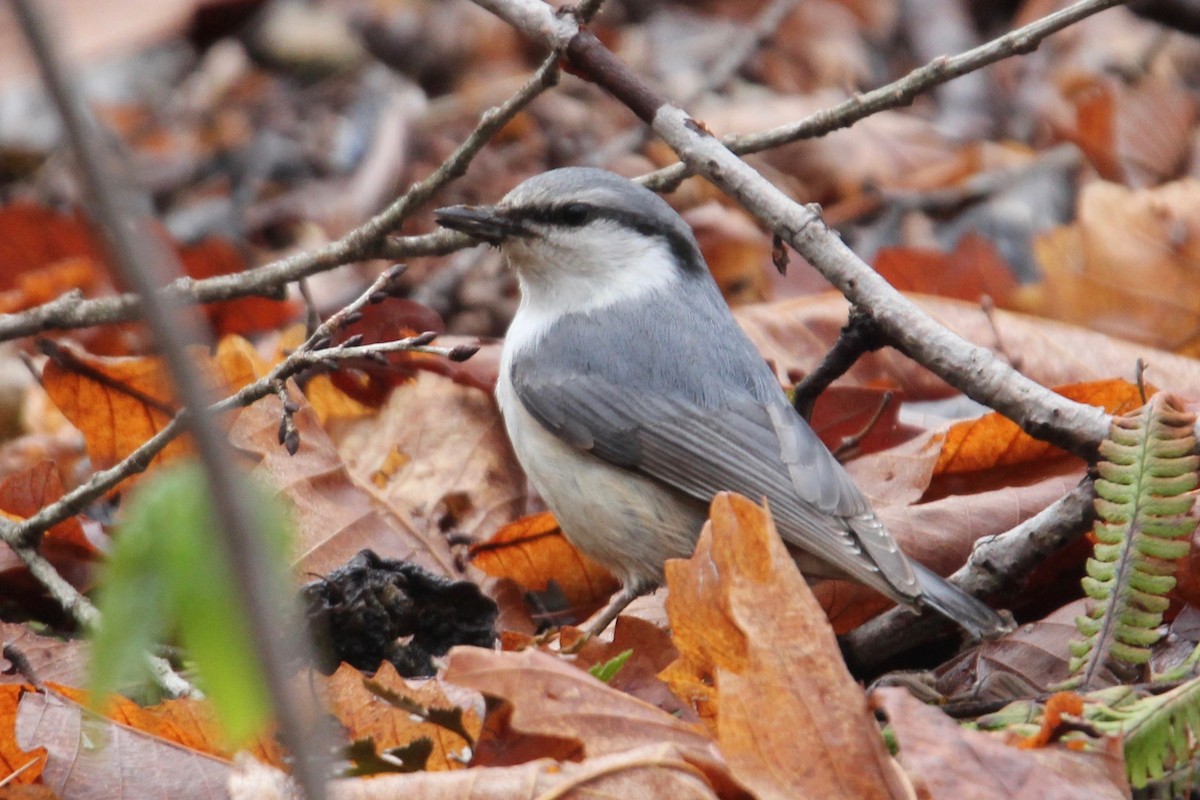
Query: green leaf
[
  {"x": 608, "y": 670},
  {"x": 168, "y": 575}
]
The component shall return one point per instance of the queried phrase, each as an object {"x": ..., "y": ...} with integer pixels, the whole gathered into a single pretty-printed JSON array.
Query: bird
[{"x": 632, "y": 397}]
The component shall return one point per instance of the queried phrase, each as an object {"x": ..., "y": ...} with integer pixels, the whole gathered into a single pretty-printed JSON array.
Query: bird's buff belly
[{"x": 626, "y": 522}]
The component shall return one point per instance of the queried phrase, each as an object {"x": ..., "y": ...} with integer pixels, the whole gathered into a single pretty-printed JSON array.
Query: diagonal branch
[
  {"x": 971, "y": 369},
  {"x": 141, "y": 267},
  {"x": 996, "y": 568},
  {"x": 897, "y": 94},
  {"x": 370, "y": 240}
]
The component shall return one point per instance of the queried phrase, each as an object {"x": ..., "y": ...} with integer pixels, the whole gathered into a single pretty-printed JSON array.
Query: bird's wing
[{"x": 744, "y": 445}]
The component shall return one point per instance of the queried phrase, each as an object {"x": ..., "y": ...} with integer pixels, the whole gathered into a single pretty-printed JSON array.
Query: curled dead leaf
[{"x": 749, "y": 630}]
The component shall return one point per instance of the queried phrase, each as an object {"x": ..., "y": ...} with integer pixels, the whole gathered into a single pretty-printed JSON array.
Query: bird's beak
[{"x": 489, "y": 223}]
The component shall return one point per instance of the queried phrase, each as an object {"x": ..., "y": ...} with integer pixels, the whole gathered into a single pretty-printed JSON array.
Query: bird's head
[{"x": 580, "y": 237}]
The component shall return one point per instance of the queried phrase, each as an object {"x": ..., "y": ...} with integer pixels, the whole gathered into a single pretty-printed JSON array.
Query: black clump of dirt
[{"x": 377, "y": 609}]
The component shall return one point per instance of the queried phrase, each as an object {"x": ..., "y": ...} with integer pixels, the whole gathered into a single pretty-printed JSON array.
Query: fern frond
[
  {"x": 1144, "y": 491},
  {"x": 1161, "y": 732}
]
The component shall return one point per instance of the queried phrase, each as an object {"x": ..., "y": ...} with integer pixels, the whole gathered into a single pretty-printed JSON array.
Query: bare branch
[
  {"x": 365, "y": 242},
  {"x": 897, "y": 94},
  {"x": 973, "y": 370},
  {"x": 100, "y": 483},
  {"x": 997, "y": 567},
  {"x": 80, "y": 609},
  {"x": 141, "y": 267}
]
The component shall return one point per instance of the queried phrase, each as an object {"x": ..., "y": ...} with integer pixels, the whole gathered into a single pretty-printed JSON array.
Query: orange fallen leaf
[
  {"x": 118, "y": 403},
  {"x": 33, "y": 237},
  {"x": 993, "y": 440},
  {"x": 187, "y": 722},
  {"x": 45, "y": 253},
  {"x": 212, "y": 257},
  {"x": 33, "y": 288},
  {"x": 1126, "y": 266},
  {"x": 1138, "y": 134},
  {"x": 12, "y": 756},
  {"x": 365, "y": 715},
  {"x": 532, "y": 551},
  {"x": 748, "y": 627},
  {"x": 974, "y": 268},
  {"x": 66, "y": 545}
]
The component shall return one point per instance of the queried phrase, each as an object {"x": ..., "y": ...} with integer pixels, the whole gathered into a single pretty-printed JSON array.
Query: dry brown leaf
[
  {"x": 502, "y": 745},
  {"x": 438, "y": 455},
  {"x": 736, "y": 251},
  {"x": 120, "y": 402},
  {"x": 550, "y": 697},
  {"x": 1126, "y": 267},
  {"x": 859, "y": 419},
  {"x": 532, "y": 551},
  {"x": 137, "y": 763},
  {"x": 946, "y": 761},
  {"x": 747, "y": 625},
  {"x": 67, "y": 545},
  {"x": 650, "y": 652},
  {"x": 365, "y": 715},
  {"x": 1137, "y": 134},
  {"x": 187, "y": 722},
  {"x": 972, "y": 270},
  {"x": 1021, "y": 664},
  {"x": 795, "y": 334},
  {"x": 48, "y": 658},
  {"x": 900, "y": 475},
  {"x": 335, "y": 516},
  {"x": 658, "y": 771}
]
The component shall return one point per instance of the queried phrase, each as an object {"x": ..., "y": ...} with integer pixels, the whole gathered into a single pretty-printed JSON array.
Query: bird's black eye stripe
[
  {"x": 570, "y": 214},
  {"x": 575, "y": 213}
]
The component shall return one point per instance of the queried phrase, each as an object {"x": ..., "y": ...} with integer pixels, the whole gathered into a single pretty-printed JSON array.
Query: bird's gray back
[{"x": 657, "y": 344}]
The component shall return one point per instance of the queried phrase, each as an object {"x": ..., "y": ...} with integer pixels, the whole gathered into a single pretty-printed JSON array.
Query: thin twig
[
  {"x": 896, "y": 94},
  {"x": 859, "y": 336},
  {"x": 717, "y": 76},
  {"x": 140, "y": 267},
  {"x": 71, "y": 310},
  {"x": 28, "y": 531},
  {"x": 974, "y": 370},
  {"x": 369, "y": 240},
  {"x": 850, "y": 443},
  {"x": 996, "y": 569}
]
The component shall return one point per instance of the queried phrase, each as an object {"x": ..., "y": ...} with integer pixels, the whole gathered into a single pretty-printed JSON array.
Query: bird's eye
[{"x": 574, "y": 213}]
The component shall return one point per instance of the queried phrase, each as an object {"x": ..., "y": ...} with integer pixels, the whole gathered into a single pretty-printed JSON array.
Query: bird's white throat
[{"x": 583, "y": 271}]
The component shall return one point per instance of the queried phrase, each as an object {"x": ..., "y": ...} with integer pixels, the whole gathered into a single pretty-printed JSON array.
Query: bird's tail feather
[{"x": 953, "y": 603}]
